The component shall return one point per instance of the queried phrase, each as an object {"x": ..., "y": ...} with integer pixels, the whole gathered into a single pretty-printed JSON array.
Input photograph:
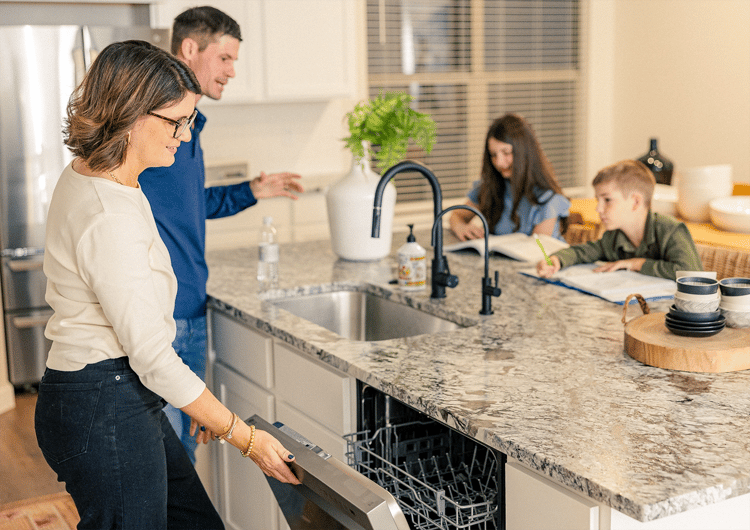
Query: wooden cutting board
[{"x": 648, "y": 340}]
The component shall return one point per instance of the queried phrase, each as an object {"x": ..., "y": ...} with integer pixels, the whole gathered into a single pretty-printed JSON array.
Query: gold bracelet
[
  {"x": 249, "y": 449},
  {"x": 218, "y": 436},
  {"x": 228, "y": 434}
]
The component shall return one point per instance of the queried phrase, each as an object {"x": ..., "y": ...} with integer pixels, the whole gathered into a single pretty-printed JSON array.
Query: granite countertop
[{"x": 544, "y": 380}]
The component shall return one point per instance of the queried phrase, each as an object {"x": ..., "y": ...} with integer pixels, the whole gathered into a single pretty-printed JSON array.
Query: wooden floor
[{"x": 23, "y": 471}]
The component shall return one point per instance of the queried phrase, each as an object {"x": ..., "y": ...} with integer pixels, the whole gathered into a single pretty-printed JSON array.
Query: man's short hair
[
  {"x": 629, "y": 176},
  {"x": 204, "y": 25}
]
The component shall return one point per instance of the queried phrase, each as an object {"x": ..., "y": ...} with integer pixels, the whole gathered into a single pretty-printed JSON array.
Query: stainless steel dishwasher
[
  {"x": 332, "y": 495},
  {"x": 440, "y": 478}
]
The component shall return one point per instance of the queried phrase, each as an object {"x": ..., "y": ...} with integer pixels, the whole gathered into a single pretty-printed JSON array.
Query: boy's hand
[
  {"x": 632, "y": 264},
  {"x": 545, "y": 270}
]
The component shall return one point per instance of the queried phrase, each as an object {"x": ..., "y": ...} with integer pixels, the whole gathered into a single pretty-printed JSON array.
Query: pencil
[{"x": 546, "y": 257}]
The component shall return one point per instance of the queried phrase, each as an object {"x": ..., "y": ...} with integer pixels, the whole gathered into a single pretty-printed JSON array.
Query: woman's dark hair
[
  {"x": 203, "y": 25},
  {"x": 532, "y": 172},
  {"x": 126, "y": 80}
]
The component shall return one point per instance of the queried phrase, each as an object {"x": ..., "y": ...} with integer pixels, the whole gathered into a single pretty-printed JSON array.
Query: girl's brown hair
[
  {"x": 532, "y": 171},
  {"x": 126, "y": 80}
]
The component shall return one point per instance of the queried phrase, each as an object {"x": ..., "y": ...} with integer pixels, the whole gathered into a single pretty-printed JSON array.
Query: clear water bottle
[{"x": 268, "y": 257}]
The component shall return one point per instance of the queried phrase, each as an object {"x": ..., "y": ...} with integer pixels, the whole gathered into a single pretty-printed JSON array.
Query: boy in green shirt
[{"x": 636, "y": 239}]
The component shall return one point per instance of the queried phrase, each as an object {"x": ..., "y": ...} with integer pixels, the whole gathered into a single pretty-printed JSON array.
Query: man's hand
[
  {"x": 276, "y": 185},
  {"x": 202, "y": 433}
]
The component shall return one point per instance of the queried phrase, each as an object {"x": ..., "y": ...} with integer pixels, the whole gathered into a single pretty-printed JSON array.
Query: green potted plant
[{"x": 380, "y": 128}]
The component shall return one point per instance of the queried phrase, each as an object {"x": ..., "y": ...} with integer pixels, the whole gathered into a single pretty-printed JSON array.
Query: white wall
[
  {"x": 678, "y": 70},
  {"x": 303, "y": 138}
]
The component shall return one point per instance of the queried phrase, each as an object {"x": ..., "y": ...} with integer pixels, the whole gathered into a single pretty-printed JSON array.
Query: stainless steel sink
[{"x": 363, "y": 316}]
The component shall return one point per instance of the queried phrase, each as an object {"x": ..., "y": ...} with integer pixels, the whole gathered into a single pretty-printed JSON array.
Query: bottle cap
[{"x": 410, "y": 238}]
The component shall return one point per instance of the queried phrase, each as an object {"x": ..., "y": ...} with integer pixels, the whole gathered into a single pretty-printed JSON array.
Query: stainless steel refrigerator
[{"x": 39, "y": 68}]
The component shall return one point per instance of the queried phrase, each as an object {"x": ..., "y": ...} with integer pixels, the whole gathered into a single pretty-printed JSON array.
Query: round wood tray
[{"x": 648, "y": 340}]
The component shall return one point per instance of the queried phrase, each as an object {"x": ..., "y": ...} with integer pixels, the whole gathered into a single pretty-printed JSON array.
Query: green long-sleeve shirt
[{"x": 667, "y": 246}]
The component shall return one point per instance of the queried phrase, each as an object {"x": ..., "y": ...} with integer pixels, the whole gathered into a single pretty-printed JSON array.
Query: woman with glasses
[{"x": 111, "y": 367}]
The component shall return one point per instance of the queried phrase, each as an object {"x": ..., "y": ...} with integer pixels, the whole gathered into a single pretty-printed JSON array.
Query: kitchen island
[{"x": 545, "y": 380}]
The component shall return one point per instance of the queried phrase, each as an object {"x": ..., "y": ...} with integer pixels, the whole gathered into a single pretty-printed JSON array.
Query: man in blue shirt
[{"x": 208, "y": 41}]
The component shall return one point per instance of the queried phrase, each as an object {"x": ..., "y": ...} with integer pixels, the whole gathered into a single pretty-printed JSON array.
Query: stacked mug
[
  {"x": 735, "y": 301},
  {"x": 695, "y": 312}
]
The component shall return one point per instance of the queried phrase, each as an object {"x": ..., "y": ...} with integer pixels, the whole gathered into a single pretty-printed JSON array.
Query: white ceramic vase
[{"x": 350, "y": 202}]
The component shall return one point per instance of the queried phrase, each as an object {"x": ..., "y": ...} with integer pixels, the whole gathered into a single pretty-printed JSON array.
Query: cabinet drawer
[
  {"x": 330, "y": 442},
  {"x": 322, "y": 393},
  {"x": 245, "y": 350}
]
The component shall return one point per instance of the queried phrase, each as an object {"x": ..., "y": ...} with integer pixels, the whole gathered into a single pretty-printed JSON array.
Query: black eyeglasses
[{"x": 179, "y": 125}]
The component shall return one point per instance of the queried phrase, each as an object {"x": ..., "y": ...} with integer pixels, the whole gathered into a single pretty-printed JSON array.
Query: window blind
[{"x": 466, "y": 62}]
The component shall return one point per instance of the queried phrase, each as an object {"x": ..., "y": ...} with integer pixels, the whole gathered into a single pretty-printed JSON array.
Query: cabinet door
[
  {"x": 309, "y": 49},
  {"x": 245, "y": 499},
  {"x": 532, "y": 501}
]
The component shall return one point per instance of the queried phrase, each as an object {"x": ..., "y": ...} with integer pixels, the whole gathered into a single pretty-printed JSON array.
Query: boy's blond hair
[{"x": 629, "y": 176}]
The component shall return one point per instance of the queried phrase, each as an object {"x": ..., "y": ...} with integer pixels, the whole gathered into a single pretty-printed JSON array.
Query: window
[{"x": 467, "y": 62}]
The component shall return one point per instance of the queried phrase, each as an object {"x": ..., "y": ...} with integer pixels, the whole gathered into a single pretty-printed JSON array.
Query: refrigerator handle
[
  {"x": 30, "y": 322},
  {"x": 25, "y": 265}
]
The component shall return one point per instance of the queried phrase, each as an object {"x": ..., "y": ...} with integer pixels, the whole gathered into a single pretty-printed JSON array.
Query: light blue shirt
[{"x": 552, "y": 206}]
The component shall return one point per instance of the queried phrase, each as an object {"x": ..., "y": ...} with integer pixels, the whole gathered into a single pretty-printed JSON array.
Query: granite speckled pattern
[{"x": 545, "y": 379}]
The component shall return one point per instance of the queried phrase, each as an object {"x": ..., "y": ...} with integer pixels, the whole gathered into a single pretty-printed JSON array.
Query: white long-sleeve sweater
[{"x": 111, "y": 285}]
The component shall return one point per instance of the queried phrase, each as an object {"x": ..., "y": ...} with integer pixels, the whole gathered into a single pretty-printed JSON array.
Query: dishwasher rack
[{"x": 441, "y": 479}]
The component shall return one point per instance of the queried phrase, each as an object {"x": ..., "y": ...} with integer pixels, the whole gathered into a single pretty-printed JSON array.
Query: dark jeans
[{"x": 106, "y": 437}]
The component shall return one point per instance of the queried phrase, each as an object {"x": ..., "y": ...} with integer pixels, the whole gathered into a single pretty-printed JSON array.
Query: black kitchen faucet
[
  {"x": 488, "y": 290},
  {"x": 441, "y": 274}
]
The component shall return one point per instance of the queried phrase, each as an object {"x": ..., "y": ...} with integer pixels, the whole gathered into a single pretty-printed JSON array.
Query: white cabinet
[
  {"x": 292, "y": 50},
  {"x": 316, "y": 390},
  {"x": 248, "y": 352},
  {"x": 244, "y": 494},
  {"x": 256, "y": 374},
  {"x": 532, "y": 501},
  {"x": 309, "y": 49}
]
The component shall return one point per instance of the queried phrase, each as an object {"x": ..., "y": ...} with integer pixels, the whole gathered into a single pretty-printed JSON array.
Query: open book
[
  {"x": 517, "y": 246},
  {"x": 612, "y": 286}
]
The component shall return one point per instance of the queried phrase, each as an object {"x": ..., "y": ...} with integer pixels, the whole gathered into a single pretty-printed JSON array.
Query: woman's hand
[
  {"x": 467, "y": 231},
  {"x": 460, "y": 223},
  {"x": 545, "y": 270},
  {"x": 632, "y": 264},
  {"x": 272, "y": 458}
]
